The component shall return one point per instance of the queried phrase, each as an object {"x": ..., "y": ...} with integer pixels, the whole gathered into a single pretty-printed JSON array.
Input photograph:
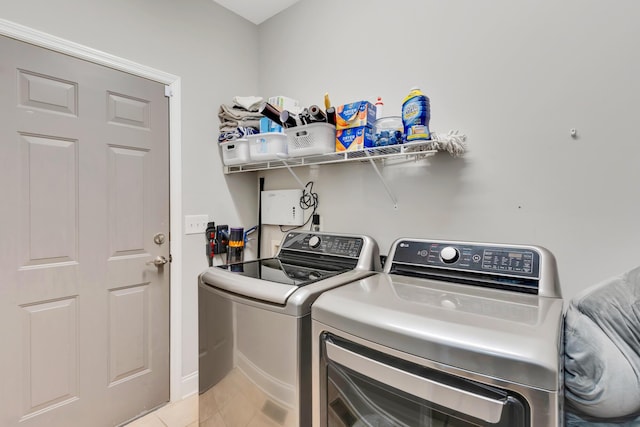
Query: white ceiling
[{"x": 256, "y": 11}]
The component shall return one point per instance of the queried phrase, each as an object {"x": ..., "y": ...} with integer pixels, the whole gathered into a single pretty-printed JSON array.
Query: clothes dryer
[{"x": 451, "y": 334}]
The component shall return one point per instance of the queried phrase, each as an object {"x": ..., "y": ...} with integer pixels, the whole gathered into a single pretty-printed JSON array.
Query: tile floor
[
  {"x": 236, "y": 402},
  {"x": 179, "y": 414}
]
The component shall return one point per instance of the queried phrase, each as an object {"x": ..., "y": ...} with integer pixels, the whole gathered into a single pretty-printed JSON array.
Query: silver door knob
[{"x": 158, "y": 261}]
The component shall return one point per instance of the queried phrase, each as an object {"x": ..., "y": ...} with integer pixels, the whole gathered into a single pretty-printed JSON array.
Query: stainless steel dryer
[
  {"x": 450, "y": 334},
  {"x": 255, "y": 327}
]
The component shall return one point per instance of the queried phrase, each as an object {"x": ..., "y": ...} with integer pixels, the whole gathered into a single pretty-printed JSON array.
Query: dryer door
[{"x": 368, "y": 388}]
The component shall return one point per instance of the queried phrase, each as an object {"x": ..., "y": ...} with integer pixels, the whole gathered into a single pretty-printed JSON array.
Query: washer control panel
[
  {"x": 329, "y": 244},
  {"x": 518, "y": 261}
]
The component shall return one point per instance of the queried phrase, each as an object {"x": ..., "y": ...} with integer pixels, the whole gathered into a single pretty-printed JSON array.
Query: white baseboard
[{"x": 189, "y": 385}]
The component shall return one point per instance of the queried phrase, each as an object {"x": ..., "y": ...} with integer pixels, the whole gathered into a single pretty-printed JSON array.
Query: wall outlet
[{"x": 195, "y": 224}]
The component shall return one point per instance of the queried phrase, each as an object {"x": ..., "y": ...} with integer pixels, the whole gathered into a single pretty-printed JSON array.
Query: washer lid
[
  {"x": 505, "y": 335},
  {"x": 268, "y": 280}
]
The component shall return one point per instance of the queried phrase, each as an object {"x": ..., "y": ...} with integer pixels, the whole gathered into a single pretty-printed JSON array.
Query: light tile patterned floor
[
  {"x": 179, "y": 414},
  {"x": 236, "y": 402}
]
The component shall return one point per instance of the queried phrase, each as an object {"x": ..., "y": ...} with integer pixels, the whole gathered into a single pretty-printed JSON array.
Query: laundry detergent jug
[{"x": 416, "y": 113}]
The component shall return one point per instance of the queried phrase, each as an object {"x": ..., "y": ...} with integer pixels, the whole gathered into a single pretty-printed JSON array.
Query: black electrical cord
[
  {"x": 260, "y": 190},
  {"x": 308, "y": 200}
]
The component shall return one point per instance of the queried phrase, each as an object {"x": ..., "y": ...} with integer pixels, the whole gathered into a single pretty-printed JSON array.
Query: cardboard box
[
  {"x": 354, "y": 139},
  {"x": 356, "y": 114},
  {"x": 284, "y": 103}
]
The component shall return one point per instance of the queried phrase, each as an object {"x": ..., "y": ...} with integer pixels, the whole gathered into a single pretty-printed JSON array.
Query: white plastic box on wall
[
  {"x": 235, "y": 152},
  {"x": 267, "y": 146},
  {"x": 282, "y": 207}
]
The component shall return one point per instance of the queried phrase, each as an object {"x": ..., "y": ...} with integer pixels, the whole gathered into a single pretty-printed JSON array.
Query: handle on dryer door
[{"x": 463, "y": 401}]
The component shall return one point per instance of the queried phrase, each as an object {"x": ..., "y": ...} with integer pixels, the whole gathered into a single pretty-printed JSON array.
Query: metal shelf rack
[
  {"x": 401, "y": 152},
  {"x": 408, "y": 151}
]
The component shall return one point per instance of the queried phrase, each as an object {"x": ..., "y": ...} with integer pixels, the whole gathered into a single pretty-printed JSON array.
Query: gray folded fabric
[
  {"x": 234, "y": 117},
  {"x": 573, "y": 420},
  {"x": 602, "y": 349}
]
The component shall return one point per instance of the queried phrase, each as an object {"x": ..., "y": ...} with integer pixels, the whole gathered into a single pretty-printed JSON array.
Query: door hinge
[
  {"x": 167, "y": 91},
  {"x": 170, "y": 258}
]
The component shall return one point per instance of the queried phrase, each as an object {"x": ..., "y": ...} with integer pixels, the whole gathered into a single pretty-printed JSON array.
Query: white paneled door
[{"x": 84, "y": 213}]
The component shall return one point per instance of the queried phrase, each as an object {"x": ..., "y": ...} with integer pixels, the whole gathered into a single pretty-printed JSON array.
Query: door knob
[{"x": 158, "y": 261}]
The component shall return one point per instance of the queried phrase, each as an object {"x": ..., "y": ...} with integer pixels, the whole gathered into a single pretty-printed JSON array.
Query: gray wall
[
  {"x": 515, "y": 77},
  {"x": 215, "y": 53}
]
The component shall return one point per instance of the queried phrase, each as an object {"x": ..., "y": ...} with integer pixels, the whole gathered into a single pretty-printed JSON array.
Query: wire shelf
[{"x": 408, "y": 151}]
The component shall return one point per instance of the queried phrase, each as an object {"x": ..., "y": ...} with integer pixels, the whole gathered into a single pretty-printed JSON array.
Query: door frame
[{"x": 179, "y": 388}]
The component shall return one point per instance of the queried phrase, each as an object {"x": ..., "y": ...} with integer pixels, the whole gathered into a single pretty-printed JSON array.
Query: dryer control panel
[
  {"x": 514, "y": 267},
  {"x": 320, "y": 243}
]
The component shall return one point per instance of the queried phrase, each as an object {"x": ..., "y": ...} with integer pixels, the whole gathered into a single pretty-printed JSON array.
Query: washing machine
[
  {"x": 449, "y": 334},
  {"x": 255, "y": 327}
]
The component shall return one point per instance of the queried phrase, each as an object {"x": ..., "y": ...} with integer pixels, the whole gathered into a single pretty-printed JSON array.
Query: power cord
[{"x": 308, "y": 200}]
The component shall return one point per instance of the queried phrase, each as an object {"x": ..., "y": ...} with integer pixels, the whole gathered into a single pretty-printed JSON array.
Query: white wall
[
  {"x": 515, "y": 77},
  {"x": 215, "y": 54}
]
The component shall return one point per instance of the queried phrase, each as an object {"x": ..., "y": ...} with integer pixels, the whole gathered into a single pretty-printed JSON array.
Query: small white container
[
  {"x": 235, "y": 152},
  {"x": 311, "y": 139},
  {"x": 267, "y": 146}
]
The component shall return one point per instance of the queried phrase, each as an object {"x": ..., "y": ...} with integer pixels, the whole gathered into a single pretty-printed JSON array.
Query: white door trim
[{"x": 38, "y": 38}]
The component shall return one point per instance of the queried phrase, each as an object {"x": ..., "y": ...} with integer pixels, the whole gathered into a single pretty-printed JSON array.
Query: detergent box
[
  {"x": 356, "y": 114},
  {"x": 354, "y": 139}
]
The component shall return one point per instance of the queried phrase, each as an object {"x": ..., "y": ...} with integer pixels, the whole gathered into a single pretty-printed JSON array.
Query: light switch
[{"x": 195, "y": 224}]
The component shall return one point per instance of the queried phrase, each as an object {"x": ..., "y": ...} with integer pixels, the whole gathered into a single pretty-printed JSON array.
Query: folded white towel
[{"x": 249, "y": 103}]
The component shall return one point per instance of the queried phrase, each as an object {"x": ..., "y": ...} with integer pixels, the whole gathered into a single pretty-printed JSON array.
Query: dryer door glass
[{"x": 368, "y": 388}]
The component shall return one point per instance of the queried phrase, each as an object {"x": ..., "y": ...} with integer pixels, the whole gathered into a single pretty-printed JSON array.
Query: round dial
[
  {"x": 314, "y": 241},
  {"x": 449, "y": 254}
]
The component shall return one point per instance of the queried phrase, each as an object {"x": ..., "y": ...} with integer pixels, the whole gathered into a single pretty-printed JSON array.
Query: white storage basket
[
  {"x": 235, "y": 152},
  {"x": 311, "y": 139},
  {"x": 267, "y": 146}
]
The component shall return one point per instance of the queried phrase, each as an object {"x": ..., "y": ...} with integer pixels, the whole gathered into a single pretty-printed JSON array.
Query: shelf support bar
[
  {"x": 302, "y": 186},
  {"x": 384, "y": 182}
]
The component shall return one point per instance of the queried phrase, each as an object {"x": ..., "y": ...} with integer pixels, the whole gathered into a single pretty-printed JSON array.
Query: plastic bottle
[
  {"x": 379, "y": 108},
  {"x": 416, "y": 113}
]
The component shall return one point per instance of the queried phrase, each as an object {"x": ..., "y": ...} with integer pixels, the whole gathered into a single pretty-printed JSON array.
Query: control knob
[
  {"x": 449, "y": 254},
  {"x": 314, "y": 241}
]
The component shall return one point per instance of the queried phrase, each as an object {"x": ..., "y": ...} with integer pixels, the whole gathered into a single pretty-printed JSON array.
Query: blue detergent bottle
[{"x": 416, "y": 113}]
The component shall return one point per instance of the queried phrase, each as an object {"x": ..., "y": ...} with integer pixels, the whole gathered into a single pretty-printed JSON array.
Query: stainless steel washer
[
  {"x": 255, "y": 327},
  {"x": 450, "y": 334}
]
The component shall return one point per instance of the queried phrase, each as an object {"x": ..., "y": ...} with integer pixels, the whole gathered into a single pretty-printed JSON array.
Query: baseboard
[{"x": 189, "y": 385}]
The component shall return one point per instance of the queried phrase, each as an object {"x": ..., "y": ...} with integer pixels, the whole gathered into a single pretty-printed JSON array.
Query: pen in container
[
  {"x": 327, "y": 101},
  {"x": 331, "y": 115},
  {"x": 287, "y": 119},
  {"x": 304, "y": 117},
  {"x": 270, "y": 112},
  {"x": 316, "y": 114}
]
